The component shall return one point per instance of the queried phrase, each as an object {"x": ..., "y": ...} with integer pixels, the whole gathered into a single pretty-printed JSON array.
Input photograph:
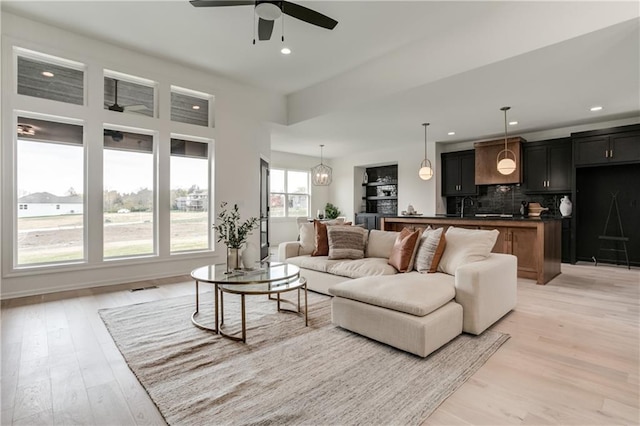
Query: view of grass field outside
[
  {"x": 50, "y": 220},
  {"x": 289, "y": 193}
]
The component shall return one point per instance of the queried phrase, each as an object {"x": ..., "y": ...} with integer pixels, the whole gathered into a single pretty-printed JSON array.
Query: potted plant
[
  {"x": 233, "y": 233},
  {"x": 331, "y": 211}
]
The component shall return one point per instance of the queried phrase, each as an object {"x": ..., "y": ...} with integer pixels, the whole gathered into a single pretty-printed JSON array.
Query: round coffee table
[{"x": 271, "y": 278}]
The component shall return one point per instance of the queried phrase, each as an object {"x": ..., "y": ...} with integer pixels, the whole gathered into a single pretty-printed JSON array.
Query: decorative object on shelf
[
  {"x": 331, "y": 211},
  {"x": 365, "y": 178},
  {"x": 320, "y": 214},
  {"x": 321, "y": 175},
  {"x": 524, "y": 209},
  {"x": 426, "y": 171},
  {"x": 566, "y": 207},
  {"x": 535, "y": 209},
  {"x": 506, "y": 165},
  {"x": 410, "y": 209},
  {"x": 233, "y": 233}
]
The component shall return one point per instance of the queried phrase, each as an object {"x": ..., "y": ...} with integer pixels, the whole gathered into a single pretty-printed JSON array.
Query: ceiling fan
[
  {"x": 120, "y": 108},
  {"x": 268, "y": 11},
  {"x": 115, "y": 135}
]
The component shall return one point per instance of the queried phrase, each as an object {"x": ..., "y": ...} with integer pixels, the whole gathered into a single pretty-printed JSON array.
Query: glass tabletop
[{"x": 268, "y": 272}]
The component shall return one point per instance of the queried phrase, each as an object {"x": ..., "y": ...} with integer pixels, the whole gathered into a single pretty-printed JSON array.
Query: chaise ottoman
[{"x": 408, "y": 311}]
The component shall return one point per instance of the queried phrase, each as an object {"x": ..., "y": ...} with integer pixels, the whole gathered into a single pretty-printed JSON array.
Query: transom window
[{"x": 289, "y": 193}]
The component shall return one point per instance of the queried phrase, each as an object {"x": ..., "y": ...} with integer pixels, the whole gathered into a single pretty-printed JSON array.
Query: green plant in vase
[
  {"x": 233, "y": 232},
  {"x": 331, "y": 211}
]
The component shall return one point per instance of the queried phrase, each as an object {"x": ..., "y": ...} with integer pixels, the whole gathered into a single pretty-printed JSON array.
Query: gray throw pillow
[
  {"x": 430, "y": 249},
  {"x": 346, "y": 242}
]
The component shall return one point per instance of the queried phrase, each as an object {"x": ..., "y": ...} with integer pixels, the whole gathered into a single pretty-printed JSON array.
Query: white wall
[
  {"x": 241, "y": 138},
  {"x": 286, "y": 229}
]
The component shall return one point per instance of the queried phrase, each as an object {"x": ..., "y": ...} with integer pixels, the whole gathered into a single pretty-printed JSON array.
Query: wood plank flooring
[{"x": 573, "y": 357}]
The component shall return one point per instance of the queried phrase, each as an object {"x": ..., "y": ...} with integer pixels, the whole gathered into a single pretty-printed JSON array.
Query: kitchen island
[{"x": 535, "y": 241}]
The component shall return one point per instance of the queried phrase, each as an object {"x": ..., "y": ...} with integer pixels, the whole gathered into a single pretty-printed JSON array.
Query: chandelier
[{"x": 321, "y": 174}]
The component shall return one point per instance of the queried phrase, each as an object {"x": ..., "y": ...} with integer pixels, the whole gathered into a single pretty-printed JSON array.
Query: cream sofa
[{"x": 412, "y": 311}]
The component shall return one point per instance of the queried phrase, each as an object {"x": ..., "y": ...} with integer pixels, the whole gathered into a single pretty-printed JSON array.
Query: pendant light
[
  {"x": 507, "y": 164},
  {"x": 321, "y": 174},
  {"x": 426, "y": 171}
]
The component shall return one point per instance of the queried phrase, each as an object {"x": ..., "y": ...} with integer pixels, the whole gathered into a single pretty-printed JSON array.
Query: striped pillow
[
  {"x": 346, "y": 242},
  {"x": 430, "y": 250}
]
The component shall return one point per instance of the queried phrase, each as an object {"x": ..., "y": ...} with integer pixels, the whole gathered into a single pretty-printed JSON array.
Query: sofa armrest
[
  {"x": 288, "y": 249},
  {"x": 487, "y": 290}
]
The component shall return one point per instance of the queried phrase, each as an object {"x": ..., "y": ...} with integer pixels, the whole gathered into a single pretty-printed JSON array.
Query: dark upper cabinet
[
  {"x": 458, "y": 173},
  {"x": 547, "y": 166},
  {"x": 617, "y": 145}
]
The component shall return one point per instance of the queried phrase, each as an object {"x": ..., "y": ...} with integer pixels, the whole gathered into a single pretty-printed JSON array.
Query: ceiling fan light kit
[
  {"x": 426, "y": 170},
  {"x": 506, "y": 159},
  {"x": 321, "y": 175}
]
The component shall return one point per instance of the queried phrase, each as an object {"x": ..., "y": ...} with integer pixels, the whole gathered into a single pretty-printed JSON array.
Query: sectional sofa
[{"x": 416, "y": 312}]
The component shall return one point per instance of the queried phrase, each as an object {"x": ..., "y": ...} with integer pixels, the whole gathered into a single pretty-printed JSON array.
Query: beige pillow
[
  {"x": 404, "y": 250},
  {"x": 466, "y": 246},
  {"x": 307, "y": 238},
  {"x": 430, "y": 249},
  {"x": 381, "y": 243},
  {"x": 346, "y": 242}
]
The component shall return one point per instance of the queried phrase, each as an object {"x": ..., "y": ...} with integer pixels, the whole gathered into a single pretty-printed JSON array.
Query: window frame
[{"x": 287, "y": 194}]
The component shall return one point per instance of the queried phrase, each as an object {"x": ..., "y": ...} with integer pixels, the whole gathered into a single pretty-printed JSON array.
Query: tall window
[
  {"x": 50, "y": 185},
  {"x": 128, "y": 208},
  {"x": 289, "y": 193},
  {"x": 189, "y": 180}
]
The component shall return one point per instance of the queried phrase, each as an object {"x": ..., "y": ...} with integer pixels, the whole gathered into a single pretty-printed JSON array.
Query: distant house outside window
[{"x": 289, "y": 193}]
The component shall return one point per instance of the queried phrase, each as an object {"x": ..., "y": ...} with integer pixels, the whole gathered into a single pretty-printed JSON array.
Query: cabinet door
[
  {"x": 535, "y": 168},
  {"x": 591, "y": 150},
  {"x": 467, "y": 166},
  {"x": 450, "y": 174},
  {"x": 625, "y": 147},
  {"x": 523, "y": 242},
  {"x": 559, "y": 166}
]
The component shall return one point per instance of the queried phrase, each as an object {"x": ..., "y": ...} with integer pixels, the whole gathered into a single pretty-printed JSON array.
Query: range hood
[{"x": 486, "y": 154}]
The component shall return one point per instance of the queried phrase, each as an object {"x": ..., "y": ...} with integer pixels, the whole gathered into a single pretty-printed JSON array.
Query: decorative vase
[
  {"x": 566, "y": 207},
  {"x": 365, "y": 178},
  {"x": 233, "y": 259},
  {"x": 250, "y": 256}
]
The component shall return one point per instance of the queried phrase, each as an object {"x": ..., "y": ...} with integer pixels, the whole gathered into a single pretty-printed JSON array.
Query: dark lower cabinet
[{"x": 566, "y": 240}]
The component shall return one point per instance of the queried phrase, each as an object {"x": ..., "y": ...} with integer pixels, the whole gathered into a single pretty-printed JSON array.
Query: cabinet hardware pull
[
  {"x": 611, "y": 154},
  {"x": 606, "y": 153}
]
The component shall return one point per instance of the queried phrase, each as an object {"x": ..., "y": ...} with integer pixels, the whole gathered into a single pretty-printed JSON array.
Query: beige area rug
[{"x": 286, "y": 373}]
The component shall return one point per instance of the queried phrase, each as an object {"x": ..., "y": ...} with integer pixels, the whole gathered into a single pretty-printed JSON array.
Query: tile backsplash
[{"x": 503, "y": 199}]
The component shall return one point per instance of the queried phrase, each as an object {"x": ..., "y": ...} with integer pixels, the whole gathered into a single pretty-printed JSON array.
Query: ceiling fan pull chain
[
  {"x": 283, "y": 22},
  {"x": 254, "y": 26}
]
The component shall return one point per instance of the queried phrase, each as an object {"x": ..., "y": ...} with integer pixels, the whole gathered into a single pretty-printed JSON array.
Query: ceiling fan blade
[
  {"x": 265, "y": 28},
  {"x": 218, "y": 3},
  {"x": 307, "y": 15}
]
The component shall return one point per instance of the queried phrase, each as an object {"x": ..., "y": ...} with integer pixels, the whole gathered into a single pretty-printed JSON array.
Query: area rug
[{"x": 286, "y": 373}]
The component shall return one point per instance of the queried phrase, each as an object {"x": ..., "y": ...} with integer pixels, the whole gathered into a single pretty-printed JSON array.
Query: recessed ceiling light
[
  {"x": 513, "y": 123},
  {"x": 595, "y": 108},
  {"x": 195, "y": 107},
  {"x": 285, "y": 51},
  {"x": 451, "y": 133},
  {"x": 47, "y": 73}
]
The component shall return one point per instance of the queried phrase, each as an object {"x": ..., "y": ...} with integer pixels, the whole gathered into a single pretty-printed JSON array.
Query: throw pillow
[
  {"x": 307, "y": 238},
  {"x": 346, "y": 242},
  {"x": 322, "y": 239},
  {"x": 430, "y": 249},
  {"x": 404, "y": 250},
  {"x": 466, "y": 246}
]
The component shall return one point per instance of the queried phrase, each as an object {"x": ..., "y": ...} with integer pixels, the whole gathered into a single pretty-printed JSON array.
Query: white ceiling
[{"x": 389, "y": 65}]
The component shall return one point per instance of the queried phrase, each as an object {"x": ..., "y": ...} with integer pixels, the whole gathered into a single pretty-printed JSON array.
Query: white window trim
[{"x": 286, "y": 217}]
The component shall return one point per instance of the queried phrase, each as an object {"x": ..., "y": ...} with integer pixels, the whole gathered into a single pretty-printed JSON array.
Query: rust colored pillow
[
  {"x": 404, "y": 250},
  {"x": 322, "y": 240}
]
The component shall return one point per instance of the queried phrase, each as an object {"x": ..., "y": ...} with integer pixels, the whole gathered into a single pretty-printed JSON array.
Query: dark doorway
[{"x": 264, "y": 209}]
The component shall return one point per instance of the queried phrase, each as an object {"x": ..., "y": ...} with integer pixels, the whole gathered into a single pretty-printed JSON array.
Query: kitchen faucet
[{"x": 462, "y": 205}]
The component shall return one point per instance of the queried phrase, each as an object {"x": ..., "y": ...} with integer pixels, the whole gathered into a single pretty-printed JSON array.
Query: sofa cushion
[
  {"x": 346, "y": 242},
  {"x": 315, "y": 263},
  {"x": 307, "y": 238},
  {"x": 358, "y": 268},
  {"x": 411, "y": 293},
  {"x": 466, "y": 246},
  {"x": 430, "y": 249},
  {"x": 404, "y": 250},
  {"x": 380, "y": 243}
]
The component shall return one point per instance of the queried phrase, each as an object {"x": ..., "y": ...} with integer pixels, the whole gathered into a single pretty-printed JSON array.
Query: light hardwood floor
[{"x": 573, "y": 357}]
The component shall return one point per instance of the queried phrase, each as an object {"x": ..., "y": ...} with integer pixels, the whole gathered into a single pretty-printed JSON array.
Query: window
[
  {"x": 189, "y": 106},
  {"x": 128, "y": 94},
  {"x": 128, "y": 204},
  {"x": 48, "y": 77},
  {"x": 50, "y": 173},
  {"x": 189, "y": 181},
  {"x": 289, "y": 193}
]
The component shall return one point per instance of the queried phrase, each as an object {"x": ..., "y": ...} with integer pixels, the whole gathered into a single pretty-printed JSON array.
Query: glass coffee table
[{"x": 271, "y": 279}]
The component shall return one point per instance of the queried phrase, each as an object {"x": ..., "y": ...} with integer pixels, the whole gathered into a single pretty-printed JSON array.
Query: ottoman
[{"x": 412, "y": 311}]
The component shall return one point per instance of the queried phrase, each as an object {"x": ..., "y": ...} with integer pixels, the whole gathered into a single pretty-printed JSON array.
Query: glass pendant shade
[
  {"x": 426, "y": 171},
  {"x": 321, "y": 175},
  {"x": 506, "y": 159}
]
